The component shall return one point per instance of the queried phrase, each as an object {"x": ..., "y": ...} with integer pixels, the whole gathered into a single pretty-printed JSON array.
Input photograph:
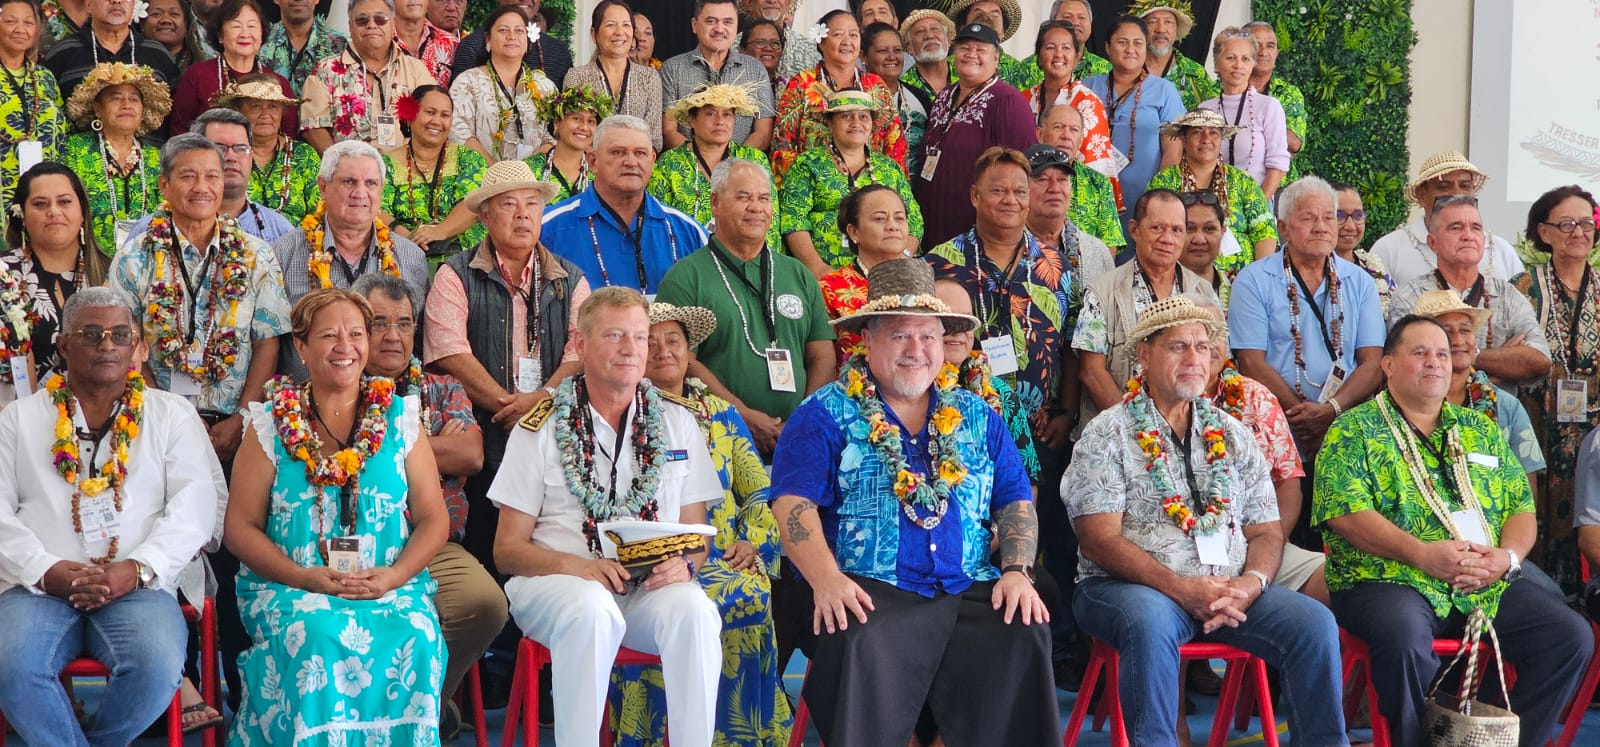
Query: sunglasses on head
[{"x": 1190, "y": 199}]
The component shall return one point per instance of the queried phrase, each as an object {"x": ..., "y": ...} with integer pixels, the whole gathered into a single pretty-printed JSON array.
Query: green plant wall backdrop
[
  {"x": 559, "y": 12},
  {"x": 1352, "y": 60}
]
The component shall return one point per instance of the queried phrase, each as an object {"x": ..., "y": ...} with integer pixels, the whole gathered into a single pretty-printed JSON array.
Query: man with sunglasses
[
  {"x": 99, "y": 579},
  {"x": 1406, "y": 250}
]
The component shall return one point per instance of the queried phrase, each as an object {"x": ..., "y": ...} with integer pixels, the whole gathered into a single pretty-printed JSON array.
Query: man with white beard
[{"x": 927, "y": 36}]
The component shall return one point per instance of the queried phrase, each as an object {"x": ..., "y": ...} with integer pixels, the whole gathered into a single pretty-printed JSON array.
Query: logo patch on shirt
[
  {"x": 791, "y": 306},
  {"x": 677, "y": 455}
]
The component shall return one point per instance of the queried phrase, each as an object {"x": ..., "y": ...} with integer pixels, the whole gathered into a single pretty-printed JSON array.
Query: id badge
[
  {"x": 29, "y": 153},
  {"x": 930, "y": 164},
  {"x": 22, "y": 374},
  {"x": 529, "y": 377},
  {"x": 123, "y": 229},
  {"x": 99, "y": 516},
  {"x": 1002, "y": 355},
  {"x": 780, "y": 370},
  {"x": 344, "y": 554},
  {"x": 1335, "y": 380},
  {"x": 1466, "y": 520},
  {"x": 180, "y": 382},
  {"x": 1212, "y": 547},
  {"x": 1572, "y": 400},
  {"x": 388, "y": 130}
]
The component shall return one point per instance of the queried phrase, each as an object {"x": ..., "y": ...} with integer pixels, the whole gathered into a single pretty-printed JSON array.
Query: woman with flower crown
[
  {"x": 427, "y": 177},
  {"x": 495, "y": 112},
  {"x": 119, "y": 104},
  {"x": 334, "y": 514},
  {"x": 572, "y": 116}
]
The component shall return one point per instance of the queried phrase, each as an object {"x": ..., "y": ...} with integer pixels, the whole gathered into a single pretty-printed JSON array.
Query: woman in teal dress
[
  {"x": 682, "y": 175},
  {"x": 572, "y": 115},
  {"x": 284, "y": 174},
  {"x": 426, "y": 178},
  {"x": 752, "y": 709},
  {"x": 808, "y": 201},
  {"x": 118, "y": 103},
  {"x": 348, "y": 648}
]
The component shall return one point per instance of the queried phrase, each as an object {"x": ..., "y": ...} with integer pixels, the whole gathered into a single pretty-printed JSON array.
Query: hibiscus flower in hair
[{"x": 406, "y": 107}]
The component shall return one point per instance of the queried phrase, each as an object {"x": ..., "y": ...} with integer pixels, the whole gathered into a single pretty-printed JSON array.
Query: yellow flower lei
[
  {"x": 67, "y": 459},
  {"x": 320, "y": 262},
  {"x": 914, "y": 490}
]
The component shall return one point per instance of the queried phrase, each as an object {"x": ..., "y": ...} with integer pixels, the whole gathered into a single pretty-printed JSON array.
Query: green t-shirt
[{"x": 730, "y": 288}]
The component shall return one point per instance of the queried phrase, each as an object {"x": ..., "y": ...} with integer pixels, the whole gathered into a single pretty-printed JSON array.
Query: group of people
[{"x": 933, "y": 363}]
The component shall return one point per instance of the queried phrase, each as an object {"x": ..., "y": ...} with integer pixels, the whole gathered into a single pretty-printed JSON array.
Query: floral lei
[
  {"x": 1230, "y": 391},
  {"x": 68, "y": 462},
  {"x": 1148, "y": 434},
  {"x": 977, "y": 378},
  {"x": 913, "y": 489},
  {"x": 291, "y": 410},
  {"x": 1481, "y": 395},
  {"x": 165, "y": 305},
  {"x": 320, "y": 261},
  {"x": 16, "y": 324},
  {"x": 575, "y": 437}
]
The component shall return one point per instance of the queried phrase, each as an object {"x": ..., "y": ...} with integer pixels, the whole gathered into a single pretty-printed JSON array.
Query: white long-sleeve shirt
[{"x": 170, "y": 498}]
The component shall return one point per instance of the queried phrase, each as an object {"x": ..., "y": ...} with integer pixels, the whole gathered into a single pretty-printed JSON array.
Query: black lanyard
[
  {"x": 694, "y": 147},
  {"x": 762, "y": 293},
  {"x": 620, "y": 95},
  {"x": 383, "y": 96},
  {"x": 931, "y": 141},
  {"x": 438, "y": 169},
  {"x": 25, "y": 103},
  {"x": 635, "y": 233},
  {"x": 1113, "y": 101},
  {"x": 1474, "y": 295},
  {"x": 530, "y": 299},
  {"x": 1188, "y": 458},
  {"x": 1577, "y": 316},
  {"x": 189, "y": 285},
  {"x": 512, "y": 99},
  {"x": 1444, "y": 464},
  {"x": 299, "y": 55},
  {"x": 1150, "y": 285},
  {"x": 350, "y": 274},
  {"x": 615, "y": 454},
  {"x": 1001, "y": 278},
  {"x": 97, "y": 436},
  {"x": 1233, "y": 142},
  {"x": 1322, "y": 324}
]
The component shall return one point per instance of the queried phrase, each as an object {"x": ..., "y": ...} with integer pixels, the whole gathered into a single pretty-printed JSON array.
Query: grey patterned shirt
[
  {"x": 682, "y": 74},
  {"x": 1510, "y": 313}
]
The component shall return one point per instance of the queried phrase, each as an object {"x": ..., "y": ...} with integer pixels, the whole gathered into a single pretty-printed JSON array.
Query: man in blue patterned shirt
[{"x": 942, "y": 615}]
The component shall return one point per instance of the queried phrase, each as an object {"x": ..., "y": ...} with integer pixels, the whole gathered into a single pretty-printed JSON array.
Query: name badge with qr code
[
  {"x": 1572, "y": 400},
  {"x": 388, "y": 130},
  {"x": 98, "y": 515},
  {"x": 1335, "y": 380},
  {"x": 780, "y": 370},
  {"x": 344, "y": 554}
]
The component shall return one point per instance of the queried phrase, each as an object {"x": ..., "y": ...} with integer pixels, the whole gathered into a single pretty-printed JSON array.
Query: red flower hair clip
[{"x": 405, "y": 108}]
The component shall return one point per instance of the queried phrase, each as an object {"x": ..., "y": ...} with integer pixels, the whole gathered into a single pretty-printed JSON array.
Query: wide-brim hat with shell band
[
  {"x": 153, "y": 93},
  {"x": 1440, "y": 164},
  {"x": 1437, "y": 303},
  {"x": 1180, "y": 8},
  {"x": 1171, "y": 312},
  {"x": 904, "y": 287},
  {"x": 509, "y": 176},
  {"x": 721, "y": 96},
  {"x": 259, "y": 89},
  {"x": 1200, "y": 118},
  {"x": 1008, "y": 8},
  {"x": 698, "y": 322},
  {"x": 847, "y": 100}
]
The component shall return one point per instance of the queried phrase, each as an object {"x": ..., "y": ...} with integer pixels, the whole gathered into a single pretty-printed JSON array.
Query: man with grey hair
[
  {"x": 615, "y": 231},
  {"x": 782, "y": 348},
  {"x": 230, "y": 131},
  {"x": 349, "y": 241},
  {"x": 501, "y": 319},
  {"x": 928, "y": 35},
  {"x": 99, "y": 580}
]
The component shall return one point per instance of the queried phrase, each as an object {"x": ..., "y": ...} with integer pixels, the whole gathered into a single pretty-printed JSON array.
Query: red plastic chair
[
  {"x": 531, "y": 657},
  {"x": 1240, "y": 666},
  {"x": 473, "y": 685},
  {"x": 210, "y": 688},
  {"x": 1572, "y": 717},
  {"x": 1355, "y": 651},
  {"x": 802, "y": 715}
]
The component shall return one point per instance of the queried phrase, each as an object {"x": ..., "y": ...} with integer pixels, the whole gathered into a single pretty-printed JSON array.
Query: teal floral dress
[
  {"x": 542, "y": 168},
  {"x": 113, "y": 194},
  {"x": 288, "y": 183},
  {"x": 30, "y": 109},
  {"x": 752, "y": 709},
  {"x": 414, "y": 200},
  {"x": 678, "y": 181},
  {"x": 810, "y": 196},
  {"x": 331, "y": 671}
]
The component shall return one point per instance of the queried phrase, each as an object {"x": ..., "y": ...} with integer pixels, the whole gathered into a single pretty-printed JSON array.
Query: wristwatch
[
  {"x": 147, "y": 575},
  {"x": 1025, "y": 570},
  {"x": 1513, "y": 571}
]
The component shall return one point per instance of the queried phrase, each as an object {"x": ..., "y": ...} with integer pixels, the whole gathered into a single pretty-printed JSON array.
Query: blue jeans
[
  {"x": 139, "y": 637},
  {"x": 1287, "y": 630}
]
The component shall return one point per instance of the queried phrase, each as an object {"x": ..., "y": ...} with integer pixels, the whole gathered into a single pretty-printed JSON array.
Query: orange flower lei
[
  {"x": 913, "y": 489},
  {"x": 320, "y": 262},
  {"x": 68, "y": 461},
  {"x": 1148, "y": 435},
  {"x": 1230, "y": 391}
]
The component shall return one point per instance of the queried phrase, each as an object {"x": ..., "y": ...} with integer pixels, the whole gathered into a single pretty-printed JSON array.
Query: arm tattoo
[
  {"x": 797, "y": 530},
  {"x": 1018, "y": 527}
]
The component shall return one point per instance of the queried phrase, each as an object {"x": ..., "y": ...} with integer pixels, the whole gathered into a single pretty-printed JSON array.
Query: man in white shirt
[
  {"x": 603, "y": 448},
  {"x": 95, "y": 530},
  {"x": 1405, "y": 250}
]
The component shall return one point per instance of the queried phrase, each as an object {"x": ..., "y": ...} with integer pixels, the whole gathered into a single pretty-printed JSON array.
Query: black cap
[
  {"x": 979, "y": 32},
  {"x": 1041, "y": 157}
]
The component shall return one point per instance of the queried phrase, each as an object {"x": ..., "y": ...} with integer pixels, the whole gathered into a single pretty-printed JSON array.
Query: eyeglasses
[
  {"x": 121, "y": 335},
  {"x": 1359, "y": 216},
  {"x": 238, "y": 149},
  {"x": 1568, "y": 226},
  {"x": 1190, "y": 199},
  {"x": 365, "y": 21},
  {"x": 381, "y": 327}
]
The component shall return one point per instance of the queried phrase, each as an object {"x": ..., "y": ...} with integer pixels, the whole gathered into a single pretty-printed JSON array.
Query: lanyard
[
  {"x": 1150, "y": 285},
  {"x": 28, "y": 106},
  {"x": 350, "y": 274},
  {"x": 383, "y": 85},
  {"x": 1474, "y": 295},
  {"x": 852, "y": 180},
  {"x": 190, "y": 285},
  {"x": 299, "y": 55},
  {"x": 433, "y": 184},
  {"x": 618, "y": 95},
  {"x": 1444, "y": 464},
  {"x": 616, "y": 450},
  {"x": 764, "y": 293},
  {"x": 1577, "y": 317},
  {"x": 635, "y": 233},
  {"x": 97, "y": 436},
  {"x": 931, "y": 140},
  {"x": 1233, "y": 142},
  {"x": 1316, "y": 311},
  {"x": 530, "y": 299},
  {"x": 1001, "y": 280},
  {"x": 1113, "y": 102},
  {"x": 511, "y": 100}
]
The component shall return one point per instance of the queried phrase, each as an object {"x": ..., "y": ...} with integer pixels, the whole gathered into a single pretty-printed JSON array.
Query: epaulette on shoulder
[
  {"x": 535, "y": 418},
  {"x": 694, "y": 406}
]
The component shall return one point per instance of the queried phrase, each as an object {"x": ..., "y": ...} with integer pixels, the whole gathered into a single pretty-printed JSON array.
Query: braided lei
[
  {"x": 16, "y": 321},
  {"x": 69, "y": 462},
  {"x": 913, "y": 489},
  {"x": 320, "y": 261},
  {"x": 165, "y": 305},
  {"x": 575, "y": 437},
  {"x": 1148, "y": 434}
]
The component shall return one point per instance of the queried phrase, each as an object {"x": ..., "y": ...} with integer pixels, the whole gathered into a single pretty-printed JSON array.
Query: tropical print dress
[
  {"x": 1249, "y": 214},
  {"x": 797, "y": 131},
  {"x": 545, "y": 170},
  {"x": 288, "y": 183},
  {"x": 679, "y": 182},
  {"x": 844, "y": 291},
  {"x": 331, "y": 671},
  {"x": 752, "y": 708},
  {"x": 413, "y": 200},
  {"x": 1094, "y": 206},
  {"x": 809, "y": 199},
  {"x": 30, "y": 109},
  {"x": 113, "y": 194}
]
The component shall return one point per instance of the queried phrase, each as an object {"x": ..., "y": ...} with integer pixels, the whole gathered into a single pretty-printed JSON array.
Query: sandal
[{"x": 190, "y": 727}]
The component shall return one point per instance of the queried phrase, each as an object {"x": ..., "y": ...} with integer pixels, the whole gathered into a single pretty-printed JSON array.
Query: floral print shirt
[
  {"x": 809, "y": 199},
  {"x": 413, "y": 199},
  {"x": 346, "y": 97},
  {"x": 797, "y": 131},
  {"x": 482, "y": 111},
  {"x": 30, "y": 109},
  {"x": 1249, "y": 214},
  {"x": 288, "y": 183},
  {"x": 844, "y": 291},
  {"x": 1260, "y": 411},
  {"x": 1094, "y": 206},
  {"x": 444, "y": 401},
  {"x": 113, "y": 196},
  {"x": 437, "y": 50},
  {"x": 278, "y": 54}
]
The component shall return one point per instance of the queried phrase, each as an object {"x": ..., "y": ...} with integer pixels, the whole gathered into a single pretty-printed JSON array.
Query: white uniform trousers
[{"x": 583, "y": 624}]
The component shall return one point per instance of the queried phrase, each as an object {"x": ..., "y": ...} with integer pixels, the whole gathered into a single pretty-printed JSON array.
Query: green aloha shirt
[
  {"x": 811, "y": 193},
  {"x": 1192, "y": 81},
  {"x": 677, "y": 181},
  {"x": 1360, "y": 469},
  {"x": 277, "y": 53},
  {"x": 1094, "y": 206},
  {"x": 299, "y": 197},
  {"x": 1249, "y": 213},
  {"x": 134, "y": 196},
  {"x": 912, "y": 77},
  {"x": 1294, "y": 114},
  {"x": 539, "y": 162},
  {"x": 412, "y": 202},
  {"x": 1019, "y": 74}
]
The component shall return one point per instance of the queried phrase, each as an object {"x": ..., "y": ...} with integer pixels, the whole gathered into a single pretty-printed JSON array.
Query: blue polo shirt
[
  {"x": 660, "y": 235},
  {"x": 824, "y": 457}
]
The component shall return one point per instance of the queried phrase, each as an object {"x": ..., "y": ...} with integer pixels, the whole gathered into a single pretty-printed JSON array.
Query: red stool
[
  {"x": 210, "y": 689},
  {"x": 1240, "y": 665},
  {"x": 1572, "y": 718},
  {"x": 473, "y": 684},
  {"x": 1355, "y": 651},
  {"x": 802, "y": 715},
  {"x": 531, "y": 657}
]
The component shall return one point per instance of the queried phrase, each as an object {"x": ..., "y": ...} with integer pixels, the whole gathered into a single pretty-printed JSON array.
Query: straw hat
[
  {"x": 848, "y": 100},
  {"x": 698, "y": 322},
  {"x": 259, "y": 89},
  {"x": 153, "y": 92},
  {"x": 1440, "y": 164},
  {"x": 507, "y": 176},
  {"x": 721, "y": 96},
  {"x": 1170, "y": 312},
  {"x": 1437, "y": 303},
  {"x": 1179, "y": 8},
  {"x": 1200, "y": 118},
  {"x": 922, "y": 14},
  {"x": 1008, "y": 8},
  {"x": 904, "y": 287}
]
